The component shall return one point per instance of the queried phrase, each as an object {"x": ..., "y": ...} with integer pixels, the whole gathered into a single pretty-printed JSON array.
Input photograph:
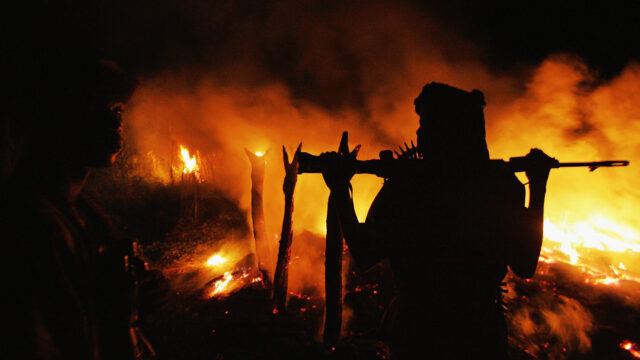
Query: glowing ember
[
  {"x": 259, "y": 153},
  {"x": 631, "y": 347},
  {"x": 216, "y": 260},
  {"x": 190, "y": 164},
  {"x": 232, "y": 281},
  {"x": 220, "y": 285},
  {"x": 607, "y": 281}
]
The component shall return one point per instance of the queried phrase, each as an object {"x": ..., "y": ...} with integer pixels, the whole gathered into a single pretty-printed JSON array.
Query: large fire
[{"x": 596, "y": 244}]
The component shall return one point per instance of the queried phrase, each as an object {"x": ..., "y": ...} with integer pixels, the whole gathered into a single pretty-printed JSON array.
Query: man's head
[
  {"x": 97, "y": 124},
  {"x": 451, "y": 123},
  {"x": 79, "y": 103},
  {"x": 61, "y": 99}
]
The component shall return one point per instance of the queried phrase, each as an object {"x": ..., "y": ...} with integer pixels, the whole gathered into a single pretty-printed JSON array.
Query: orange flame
[
  {"x": 222, "y": 284},
  {"x": 231, "y": 282},
  {"x": 216, "y": 260},
  {"x": 631, "y": 347},
  {"x": 190, "y": 163},
  {"x": 575, "y": 242}
]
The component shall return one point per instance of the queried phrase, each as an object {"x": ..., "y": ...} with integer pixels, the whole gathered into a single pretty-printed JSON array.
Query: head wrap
[{"x": 455, "y": 115}]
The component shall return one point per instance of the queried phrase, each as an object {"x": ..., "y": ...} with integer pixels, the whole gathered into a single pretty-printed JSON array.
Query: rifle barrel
[
  {"x": 385, "y": 167},
  {"x": 608, "y": 163},
  {"x": 596, "y": 164},
  {"x": 522, "y": 163}
]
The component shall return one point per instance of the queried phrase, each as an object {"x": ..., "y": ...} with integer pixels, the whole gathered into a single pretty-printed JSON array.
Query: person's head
[
  {"x": 60, "y": 101},
  {"x": 95, "y": 122},
  {"x": 77, "y": 110},
  {"x": 451, "y": 123}
]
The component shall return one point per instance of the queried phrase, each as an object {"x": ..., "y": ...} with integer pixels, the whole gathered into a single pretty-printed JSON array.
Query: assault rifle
[{"x": 388, "y": 165}]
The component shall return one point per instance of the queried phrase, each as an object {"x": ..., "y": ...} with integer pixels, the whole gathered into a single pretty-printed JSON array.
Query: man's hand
[
  {"x": 541, "y": 165},
  {"x": 340, "y": 165}
]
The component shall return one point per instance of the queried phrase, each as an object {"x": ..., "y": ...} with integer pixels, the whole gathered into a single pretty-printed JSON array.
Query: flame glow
[
  {"x": 221, "y": 285},
  {"x": 232, "y": 281},
  {"x": 597, "y": 233},
  {"x": 259, "y": 153},
  {"x": 216, "y": 260},
  {"x": 586, "y": 243},
  {"x": 190, "y": 163},
  {"x": 631, "y": 348}
]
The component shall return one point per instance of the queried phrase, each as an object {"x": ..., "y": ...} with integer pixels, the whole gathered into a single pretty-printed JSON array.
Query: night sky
[{"x": 314, "y": 46}]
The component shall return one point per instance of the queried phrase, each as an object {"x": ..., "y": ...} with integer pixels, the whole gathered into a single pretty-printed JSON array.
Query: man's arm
[
  {"x": 361, "y": 238},
  {"x": 365, "y": 240},
  {"x": 524, "y": 256}
]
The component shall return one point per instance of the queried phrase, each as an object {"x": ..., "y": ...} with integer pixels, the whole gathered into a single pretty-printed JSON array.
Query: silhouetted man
[
  {"x": 450, "y": 225},
  {"x": 70, "y": 294}
]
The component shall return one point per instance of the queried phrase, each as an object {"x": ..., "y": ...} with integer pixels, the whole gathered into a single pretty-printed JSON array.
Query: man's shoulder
[
  {"x": 503, "y": 186},
  {"x": 29, "y": 213},
  {"x": 36, "y": 234},
  {"x": 499, "y": 172}
]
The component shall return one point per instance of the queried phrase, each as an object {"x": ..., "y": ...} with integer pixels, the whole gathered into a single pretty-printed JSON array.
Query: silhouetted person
[
  {"x": 450, "y": 226},
  {"x": 70, "y": 295}
]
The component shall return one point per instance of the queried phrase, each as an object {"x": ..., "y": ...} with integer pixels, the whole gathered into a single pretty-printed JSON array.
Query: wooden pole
[
  {"x": 196, "y": 186},
  {"x": 333, "y": 278},
  {"x": 257, "y": 212},
  {"x": 281, "y": 276},
  {"x": 333, "y": 263}
]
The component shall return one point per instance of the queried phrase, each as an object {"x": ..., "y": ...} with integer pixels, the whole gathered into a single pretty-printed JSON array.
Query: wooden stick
[
  {"x": 257, "y": 212},
  {"x": 281, "y": 276},
  {"x": 333, "y": 278},
  {"x": 333, "y": 263},
  {"x": 196, "y": 195}
]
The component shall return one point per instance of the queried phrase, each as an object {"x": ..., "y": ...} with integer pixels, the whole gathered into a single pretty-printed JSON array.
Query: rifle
[{"x": 388, "y": 165}]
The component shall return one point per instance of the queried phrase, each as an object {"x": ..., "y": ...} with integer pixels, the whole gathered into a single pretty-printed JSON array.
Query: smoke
[
  {"x": 551, "y": 327},
  {"x": 329, "y": 53},
  {"x": 339, "y": 71},
  {"x": 567, "y": 113}
]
